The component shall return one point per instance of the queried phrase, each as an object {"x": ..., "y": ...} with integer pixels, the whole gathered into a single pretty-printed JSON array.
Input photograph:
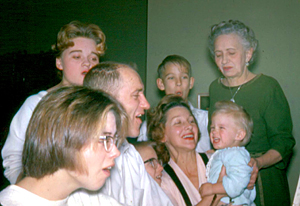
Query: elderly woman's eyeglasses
[
  {"x": 109, "y": 142},
  {"x": 153, "y": 162}
]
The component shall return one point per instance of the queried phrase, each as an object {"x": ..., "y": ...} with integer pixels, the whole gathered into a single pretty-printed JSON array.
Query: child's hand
[{"x": 206, "y": 189}]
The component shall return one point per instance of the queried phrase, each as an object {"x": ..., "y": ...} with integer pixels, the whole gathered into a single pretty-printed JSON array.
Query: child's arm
[{"x": 238, "y": 171}]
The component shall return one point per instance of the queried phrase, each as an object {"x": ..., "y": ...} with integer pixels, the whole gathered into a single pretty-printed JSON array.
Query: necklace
[{"x": 238, "y": 89}]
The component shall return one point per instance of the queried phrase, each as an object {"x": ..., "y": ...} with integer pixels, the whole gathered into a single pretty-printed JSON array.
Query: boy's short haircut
[
  {"x": 174, "y": 59},
  {"x": 240, "y": 116}
]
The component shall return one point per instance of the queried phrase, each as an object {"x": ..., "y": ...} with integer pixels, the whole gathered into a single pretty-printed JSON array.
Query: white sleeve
[
  {"x": 129, "y": 183},
  {"x": 143, "y": 132},
  {"x": 13, "y": 147},
  {"x": 202, "y": 120}
]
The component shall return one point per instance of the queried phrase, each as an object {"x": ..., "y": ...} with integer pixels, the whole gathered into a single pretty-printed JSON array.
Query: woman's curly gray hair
[{"x": 236, "y": 27}]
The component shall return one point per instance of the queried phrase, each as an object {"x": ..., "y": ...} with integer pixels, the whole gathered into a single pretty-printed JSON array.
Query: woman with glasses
[
  {"x": 152, "y": 164},
  {"x": 70, "y": 144},
  {"x": 174, "y": 129}
]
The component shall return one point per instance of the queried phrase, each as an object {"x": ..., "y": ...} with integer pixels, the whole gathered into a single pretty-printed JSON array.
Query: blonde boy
[{"x": 175, "y": 77}]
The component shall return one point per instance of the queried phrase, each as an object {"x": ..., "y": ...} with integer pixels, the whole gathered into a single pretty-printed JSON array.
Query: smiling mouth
[
  {"x": 216, "y": 140},
  {"x": 188, "y": 136}
]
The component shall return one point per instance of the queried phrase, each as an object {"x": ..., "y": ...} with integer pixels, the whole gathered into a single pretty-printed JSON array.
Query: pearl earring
[{"x": 247, "y": 64}]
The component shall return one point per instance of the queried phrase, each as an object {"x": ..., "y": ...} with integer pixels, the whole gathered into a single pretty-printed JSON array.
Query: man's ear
[
  {"x": 192, "y": 80},
  {"x": 160, "y": 84},
  {"x": 59, "y": 63},
  {"x": 241, "y": 134}
]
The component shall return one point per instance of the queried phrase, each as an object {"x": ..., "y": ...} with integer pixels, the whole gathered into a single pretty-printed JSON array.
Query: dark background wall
[{"x": 29, "y": 28}]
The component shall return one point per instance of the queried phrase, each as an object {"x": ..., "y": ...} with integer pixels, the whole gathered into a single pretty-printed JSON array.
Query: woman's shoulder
[
  {"x": 217, "y": 81},
  {"x": 35, "y": 97},
  {"x": 262, "y": 78}
]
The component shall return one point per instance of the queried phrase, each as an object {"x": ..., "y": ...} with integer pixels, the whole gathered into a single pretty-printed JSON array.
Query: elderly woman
[
  {"x": 233, "y": 46},
  {"x": 174, "y": 129},
  {"x": 70, "y": 144}
]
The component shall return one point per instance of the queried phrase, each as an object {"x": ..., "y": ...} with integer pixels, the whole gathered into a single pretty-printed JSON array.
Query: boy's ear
[
  {"x": 192, "y": 80},
  {"x": 160, "y": 84},
  {"x": 59, "y": 64},
  {"x": 241, "y": 134}
]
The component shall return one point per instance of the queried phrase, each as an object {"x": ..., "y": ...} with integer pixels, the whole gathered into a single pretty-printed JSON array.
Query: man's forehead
[{"x": 131, "y": 79}]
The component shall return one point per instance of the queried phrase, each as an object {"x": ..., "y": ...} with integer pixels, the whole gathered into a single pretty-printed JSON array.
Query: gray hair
[{"x": 234, "y": 27}]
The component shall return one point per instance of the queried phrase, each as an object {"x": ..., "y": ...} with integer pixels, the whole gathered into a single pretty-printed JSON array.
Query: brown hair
[
  {"x": 173, "y": 59},
  {"x": 156, "y": 120},
  {"x": 78, "y": 29},
  {"x": 64, "y": 121}
]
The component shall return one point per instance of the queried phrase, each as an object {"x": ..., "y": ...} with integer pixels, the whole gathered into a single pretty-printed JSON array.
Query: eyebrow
[
  {"x": 73, "y": 51},
  {"x": 149, "y": 160}
]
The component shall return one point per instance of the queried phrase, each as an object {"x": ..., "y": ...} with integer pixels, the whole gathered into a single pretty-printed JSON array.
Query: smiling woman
[
  {"x": 173, "y": 127},
  {"x": 63, "y": 151}
]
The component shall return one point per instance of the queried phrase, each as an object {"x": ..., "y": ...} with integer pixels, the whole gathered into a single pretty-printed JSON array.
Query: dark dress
[{"x": 263, "y": 98}]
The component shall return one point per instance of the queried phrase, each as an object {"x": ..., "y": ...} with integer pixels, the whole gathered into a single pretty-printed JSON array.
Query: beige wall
[{"x": 181, "y": 27}]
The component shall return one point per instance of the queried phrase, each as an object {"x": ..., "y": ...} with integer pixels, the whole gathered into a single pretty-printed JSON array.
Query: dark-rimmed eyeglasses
[
  {"x": 109, "y": 142},
  {"x": 153, "y": 162}
]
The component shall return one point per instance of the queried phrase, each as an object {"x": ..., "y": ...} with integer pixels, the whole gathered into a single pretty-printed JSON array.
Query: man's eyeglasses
[
  {"x": 109, "y": 142},
  {"x": 154, "y": 162}
]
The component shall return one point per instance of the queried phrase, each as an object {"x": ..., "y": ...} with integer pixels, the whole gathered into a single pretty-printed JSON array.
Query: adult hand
[
  {"x": 206, "y": 189},
  {"x": 254, "y": 164}
]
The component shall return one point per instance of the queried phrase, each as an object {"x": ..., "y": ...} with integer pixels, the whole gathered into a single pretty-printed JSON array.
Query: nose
[
  {"x": 224, "y": 59},
  {"x": 144, "y": 103},
  {"x": 189, "y": 126},
  {"x": 86, "y": 62},
  {"x": 178, "y": 81},
  {"x": 159, "y": 168},
  {"x": 114, "y": 153},
  {"x": 213, "y": 131}
]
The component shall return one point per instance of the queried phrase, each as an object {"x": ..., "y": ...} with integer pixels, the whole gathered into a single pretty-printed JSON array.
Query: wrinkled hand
[
  {"x": 254, "y": 164},
  {"x": 205, "y": 189}
]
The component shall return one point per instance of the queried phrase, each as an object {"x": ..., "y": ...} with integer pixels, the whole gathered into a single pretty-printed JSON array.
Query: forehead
[
  {"x": 147, "y": 152},
  {"x": 130, "y": 79},
  {"x": 225, "y": 118},
  {"x": 175, "y": 68},
  {"x": 109, "y": 123},
  {"x": 178, "y": 111},
  {"x": 228, "y": 41}
]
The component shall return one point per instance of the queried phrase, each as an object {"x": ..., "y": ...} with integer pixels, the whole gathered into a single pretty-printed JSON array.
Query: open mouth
[
  {"x": 227, "y": 68},
  {"x": 107, "y": 170},
  {"x": 188, "y": 136},
  {"x": 84, "y": 73},
  {"x": 178, "y": 93},
  {"x": 216, "y": 140}
]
